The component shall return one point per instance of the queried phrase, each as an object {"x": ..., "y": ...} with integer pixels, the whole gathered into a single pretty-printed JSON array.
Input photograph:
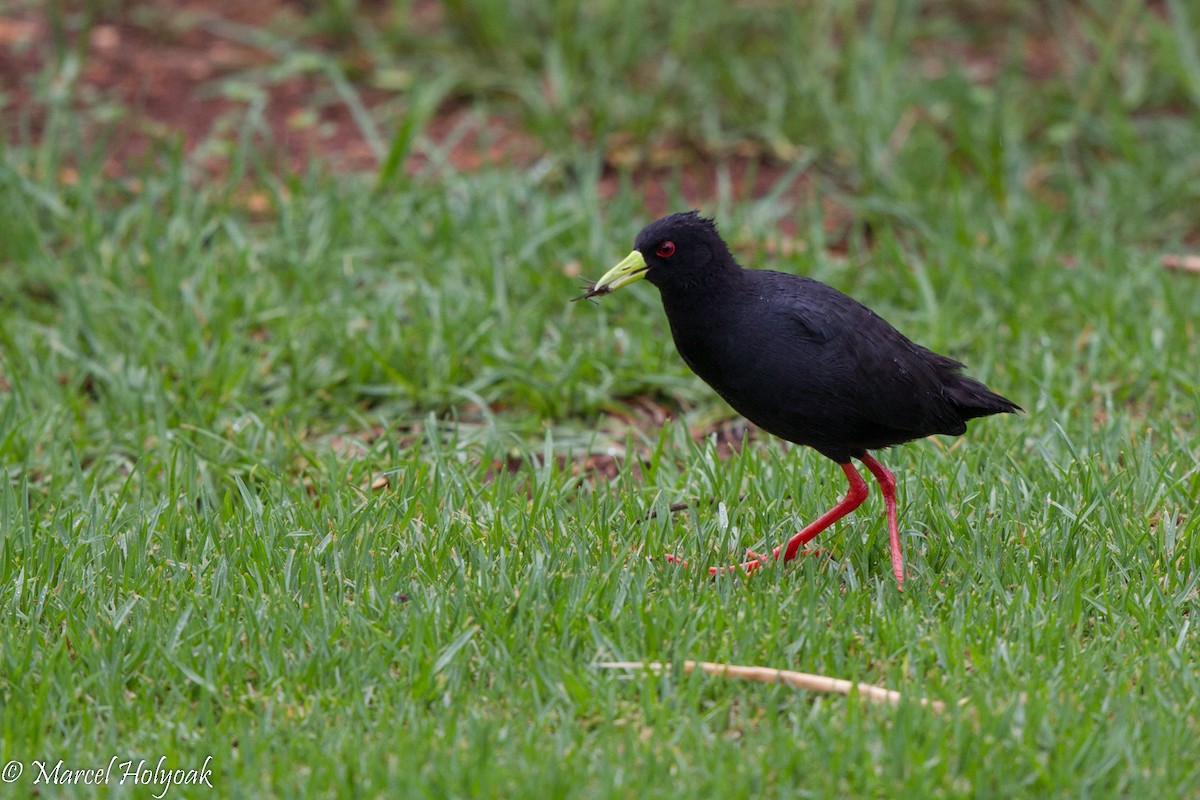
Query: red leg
[
  {"x": 853, "y": 499},
  {"x": 887, "y": 483}
]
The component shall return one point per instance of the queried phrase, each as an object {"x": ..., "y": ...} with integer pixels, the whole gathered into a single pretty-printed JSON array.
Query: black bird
[{"x": 801, "y": 360}]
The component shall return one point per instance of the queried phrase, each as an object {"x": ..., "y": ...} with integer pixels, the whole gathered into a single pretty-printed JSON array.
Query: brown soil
[
  {"x": 168, "y": 70},
  {"x": 169, "y": 78}
]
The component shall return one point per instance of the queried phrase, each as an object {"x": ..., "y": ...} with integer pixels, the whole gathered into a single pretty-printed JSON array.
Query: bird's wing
[{"x": 857, "y": 360}]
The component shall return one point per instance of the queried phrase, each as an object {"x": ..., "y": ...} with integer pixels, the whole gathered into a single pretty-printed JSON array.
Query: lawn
[{"x": 311, "y": 469}]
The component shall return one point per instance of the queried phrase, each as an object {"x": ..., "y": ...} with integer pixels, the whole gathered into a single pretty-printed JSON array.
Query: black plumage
[{"x": 800, "y": 359}]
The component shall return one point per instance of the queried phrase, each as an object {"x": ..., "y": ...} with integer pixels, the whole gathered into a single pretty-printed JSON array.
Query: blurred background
[{"x": 961, "y": 150}]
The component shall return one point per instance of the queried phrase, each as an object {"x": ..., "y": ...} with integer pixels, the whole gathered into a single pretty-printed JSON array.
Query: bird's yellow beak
[{"x": 632, "y": 268}]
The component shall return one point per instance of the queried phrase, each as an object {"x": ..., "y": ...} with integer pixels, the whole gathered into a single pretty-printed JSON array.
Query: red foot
[
  {"x": 853, "y": 499},
  {"x": 754, "y": 563},
  {"x": 756, "y": 560}
]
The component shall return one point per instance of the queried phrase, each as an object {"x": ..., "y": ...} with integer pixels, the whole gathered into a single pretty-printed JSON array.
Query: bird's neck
[
  {"x": 703, "y": 291},
  {"x": 698, "y": 317}
]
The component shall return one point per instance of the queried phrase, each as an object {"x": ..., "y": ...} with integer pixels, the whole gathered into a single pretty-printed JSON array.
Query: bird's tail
[{"x": 976, "y": 400}]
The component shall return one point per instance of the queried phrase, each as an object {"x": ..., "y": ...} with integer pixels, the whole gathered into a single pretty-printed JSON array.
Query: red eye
[{"x": 665, "y": 250}]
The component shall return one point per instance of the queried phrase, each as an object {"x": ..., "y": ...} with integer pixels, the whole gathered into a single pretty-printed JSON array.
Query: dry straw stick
[{"x": 801, "y": 680}]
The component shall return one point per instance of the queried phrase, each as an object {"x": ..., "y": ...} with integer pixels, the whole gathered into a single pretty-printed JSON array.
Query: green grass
[{"x": 196, "y": 399}]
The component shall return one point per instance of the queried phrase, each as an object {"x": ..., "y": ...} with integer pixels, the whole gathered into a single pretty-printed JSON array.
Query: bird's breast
[{"x": 706, "y": 345}]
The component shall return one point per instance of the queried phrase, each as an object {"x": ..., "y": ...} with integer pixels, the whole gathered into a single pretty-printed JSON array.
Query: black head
[
  {"x": 677, "y": 252},
  {"x": 681, "y": 248}
]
